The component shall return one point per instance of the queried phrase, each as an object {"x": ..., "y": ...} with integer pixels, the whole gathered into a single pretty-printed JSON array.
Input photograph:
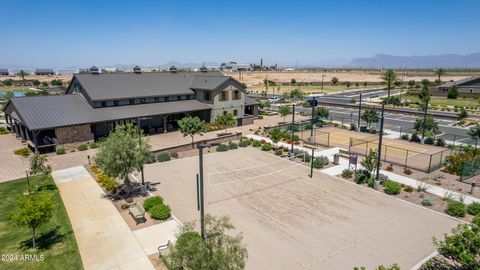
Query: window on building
[
  {"x": 187, "y": 97},
  {"x": 157, "y": 99},
  {"x": 116, "y": 103},
  {"x": 104, "y": 104},
  {"x": 236, "y": 94},
  {"x": 206, "y": 95},
  {"x": 166, "y": 99},
  {"x": 179, "y": 97},
  {"x": 235, "y": 112},
  {"x": 142, "y": 101},
  {"x": 131, "y": 101},
  {"x": 224, "y": 96}
]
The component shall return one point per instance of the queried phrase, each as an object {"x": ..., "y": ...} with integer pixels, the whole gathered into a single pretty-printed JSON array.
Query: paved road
[{"x": 396, "y": 122}]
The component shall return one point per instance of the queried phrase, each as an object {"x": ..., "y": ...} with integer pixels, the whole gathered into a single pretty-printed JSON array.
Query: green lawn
[
  {"x": 56, "y": 240},
  {"x": 15, "y": 89},
  {"x": 465, "y": 102}
]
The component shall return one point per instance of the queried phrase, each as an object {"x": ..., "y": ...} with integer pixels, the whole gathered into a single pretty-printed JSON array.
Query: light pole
[
  {"x": 200, "y": 147},
  {"x": 359, "y": 111},
  {"x": 379, "y": 148},
  {"x": 313, "y": 112},
  {"x": 292, "y": 127}
]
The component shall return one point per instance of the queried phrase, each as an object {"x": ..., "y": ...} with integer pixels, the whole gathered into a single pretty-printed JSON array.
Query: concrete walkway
[{"x": 104, "y": 239}]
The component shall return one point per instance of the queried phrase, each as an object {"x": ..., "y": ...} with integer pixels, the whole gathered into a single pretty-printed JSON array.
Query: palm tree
[
  {"x": 284, "y": 111},
  {"x": 440, "y": 72},
  {"x": 22, "y": 74},
  {"x": 389, "y": 77}
]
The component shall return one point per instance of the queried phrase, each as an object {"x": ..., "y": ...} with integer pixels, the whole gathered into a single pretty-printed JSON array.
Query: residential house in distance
[
  {"x": 95, "y": 103},
  {"x": 44, "y": 71},
  {"x": 469, "y": 87}
]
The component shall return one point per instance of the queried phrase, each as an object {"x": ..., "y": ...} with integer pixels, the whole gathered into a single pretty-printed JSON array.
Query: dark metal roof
[
  {"x": 250, "y": 101},
  {"x": 208, "y": 82},
  {"x": 45, "y": 112},
  {"x": 460, "y": 82},
  {"x": 109, "y": 86}
]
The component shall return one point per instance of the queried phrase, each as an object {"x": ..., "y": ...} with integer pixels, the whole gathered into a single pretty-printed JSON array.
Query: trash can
[{"x": 336, "y": 159}]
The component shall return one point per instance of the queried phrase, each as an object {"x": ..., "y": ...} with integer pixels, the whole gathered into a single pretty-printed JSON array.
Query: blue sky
[{"x": 81, "y": 33}]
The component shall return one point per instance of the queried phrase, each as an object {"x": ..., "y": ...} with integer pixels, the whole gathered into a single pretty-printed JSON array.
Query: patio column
[
  {"x": 15, "y": 127},
  {"x": 35, "y": 141},
  {"x": 164, "y": 119},
  {"x": 22, "y": 133}
]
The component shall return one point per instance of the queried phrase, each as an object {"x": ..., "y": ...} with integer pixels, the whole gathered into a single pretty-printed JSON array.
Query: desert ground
[{"x": 257, "y": 77}]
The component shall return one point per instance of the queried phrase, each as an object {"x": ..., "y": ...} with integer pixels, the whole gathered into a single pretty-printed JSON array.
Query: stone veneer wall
[{"x": 73, "y": 134}]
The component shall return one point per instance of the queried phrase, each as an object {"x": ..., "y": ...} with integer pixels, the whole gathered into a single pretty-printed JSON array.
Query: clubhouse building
[
  {"x": 94, "y": 103},
  {"x": 469, "y": 87}
]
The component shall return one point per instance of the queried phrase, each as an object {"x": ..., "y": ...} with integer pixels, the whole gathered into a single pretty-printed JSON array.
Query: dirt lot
[
  {"x": 257, "y": 77},
  {"x": 290, "y": 221}
]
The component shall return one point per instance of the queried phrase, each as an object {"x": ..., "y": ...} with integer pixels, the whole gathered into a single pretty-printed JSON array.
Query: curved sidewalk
[{"x": 104, "y": 239}]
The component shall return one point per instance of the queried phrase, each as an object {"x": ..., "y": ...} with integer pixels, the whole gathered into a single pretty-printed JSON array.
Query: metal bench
[{"x": 137, "y": 212}]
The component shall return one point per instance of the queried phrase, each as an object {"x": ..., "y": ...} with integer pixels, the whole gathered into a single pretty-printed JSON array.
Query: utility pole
[{"x": 359, "y": 111}]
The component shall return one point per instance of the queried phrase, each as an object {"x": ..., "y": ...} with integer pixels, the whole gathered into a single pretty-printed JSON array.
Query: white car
[{"x": 274, "y": 99}]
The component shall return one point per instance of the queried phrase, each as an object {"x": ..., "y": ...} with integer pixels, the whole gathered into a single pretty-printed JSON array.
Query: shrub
[
  {"x": 151, "y": 202},
  {"x": 93, "y": 145},
  {"x": 353, "y": 127},
  {"x": 370, "y": 182},
  {"x": 243, "y": 144},
  {"x": 320, "y": 162},
  {"x": 256, "y": 144},
  {"x": 278, "y": 152},
  {"x": 232, "y": 146},
  {"x": 82, "y": 147},
  {"x": 408, "y": 189},
  {"x": 391, "y": 187},
  {"x": 429, "y": 140},
  {"x": 440, "y": 142},
  {"x": 222, "y": 148},
  {"x": 164, "y": 156},
  {"x": 319, "y": 124},
  {"x": 347, "y": 173},
  {"x": 22, "y": 152},
  {"x": 415, "y": 138},
  {"x": 308, "y": 126},
  {"x": 360, "y": 178},
  {"x": 266, "y": 147},
  {"x": 427, "y": 202},
  {"x": 3, "y": 131},
  {"x": 174, "y": 155},
  {"x": 473, "y": 209},
  {"x": 456, "y": 209},
  {"x": 405, "y": 137},
  {"x": 60, "y": 150},
  {"x": 110, "y": 185},
  {"x": 407, "y": 171},
  {"x": 160, "y": 211}
]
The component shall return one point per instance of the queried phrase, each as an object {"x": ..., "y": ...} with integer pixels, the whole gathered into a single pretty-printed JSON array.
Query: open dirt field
[
  {"x": 290, "y": 221},
  {"x": 257, "y": 77}
]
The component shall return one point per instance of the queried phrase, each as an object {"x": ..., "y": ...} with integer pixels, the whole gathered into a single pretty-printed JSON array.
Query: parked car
[{"x": 274, "y": 99}]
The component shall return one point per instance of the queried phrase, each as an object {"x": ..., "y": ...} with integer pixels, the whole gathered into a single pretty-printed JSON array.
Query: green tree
[
  {"x": 370, "y": 116},
  {"x": 220, "y": 250},
  {"x": 285, "y": 95},
  {"x": 33, "y": 211},
  {"x": 370, "y": 161},
  {"x": 347, "y": 84},
  {"x": 191, "y": 126},
  {"x": 284, "y": 111},
  {"x": 36, "y": 83},
  {"x": 293, "y": 81},
  {"x": 226, "y": 120},
  {"x": 462, "y": 114},
  {"x": 124, "y": 151},
  {"x": 321, "y": 112},
  {"x": 389, "y": 77},
  {"x": 22, "y": 75},
  {"x": 392, "y": 100},
  {"x": 453, "y": 93},
  {"x": 334, "y": 80},
  {"x": 430, "y": 125},
  {"x": 7, "y": 96},
  {"x": 411, "y": 84},
  {"x": 38, "y": 165},
  {"x": 297, "y": 94},
  {"x": 45, "y": 84},
  {"x": 57, "y": 82},
  {"x": 7, "y": 82},
  {"x": 440, "y": 72}
]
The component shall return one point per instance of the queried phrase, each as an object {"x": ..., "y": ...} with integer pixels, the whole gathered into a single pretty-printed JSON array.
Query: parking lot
[{"x": 291, "y": 221}]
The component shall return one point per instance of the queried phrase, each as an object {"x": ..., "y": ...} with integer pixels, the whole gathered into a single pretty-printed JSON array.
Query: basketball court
[{"x": 291, "y": 221}]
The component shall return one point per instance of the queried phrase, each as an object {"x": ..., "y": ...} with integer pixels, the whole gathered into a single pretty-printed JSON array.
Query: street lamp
[
  {"x": 140, "y": 142},
  {"x": 379, "y": 148},
  {"x": 200, "y": 147}
]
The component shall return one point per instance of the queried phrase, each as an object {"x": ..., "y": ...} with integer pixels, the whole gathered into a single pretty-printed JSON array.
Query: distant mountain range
[{"x": 416, "y": 61}]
